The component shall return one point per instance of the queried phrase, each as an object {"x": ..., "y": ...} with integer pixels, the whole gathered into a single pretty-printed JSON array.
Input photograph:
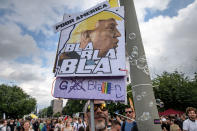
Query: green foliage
[
  {"x": 116, "y": 108},
  {"x": 73, "y": 106},
  {"x": 42, "y": 113},
  {"x": 58, "y": 114},
  {"x": 46, "y": 112},
  {"x": 49, "y": 111},
  {"x": 14, "y": 102},
  {"x": 175, "y": 90}
]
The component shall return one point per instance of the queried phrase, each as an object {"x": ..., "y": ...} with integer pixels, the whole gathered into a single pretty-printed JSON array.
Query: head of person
[
  {"x": 48, "y": 122},
  {"x": 26, "y": 125},
  {"x": 5, "y": 122},
  {"x": 103, "y": 37},
  {"x": 74, "y": 119},
  {"x": 129, "y": 112},
  {"x": 67, "y": 123},
  {"x": 191, "y": 112},
  {"x": 100, "y": 115},
  {"x": 116, "y": 126},
  {"x": 79, "y": 120}
]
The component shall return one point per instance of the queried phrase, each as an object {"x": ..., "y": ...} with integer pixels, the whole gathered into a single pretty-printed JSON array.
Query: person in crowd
[
  {"x": 12, "y": 125},
  {"x": 26, "y": 126},
  {"x": 18, "y": 124},
  {"x": 35, "y": 125},
  {"x": 67, "y": 126},
  {"x": 58, "y": 125},
  {"x": 41, "y": 125},
  {"x": 80, "y": 123},
  {"x": 100, "y": 115},
  {"x": 129, "y": 124},
  {"x": 166, "y": 124},
  {"x": 4, "y": 126},
  {"x": 48, "y": 126},
  {"x": 75, "y": 121},
  {"x": 191, "y": 123},
  {"x": 182, "y": 119},
  {"x": 116, "y": 126},
  {"x": 174, "y": 126}
]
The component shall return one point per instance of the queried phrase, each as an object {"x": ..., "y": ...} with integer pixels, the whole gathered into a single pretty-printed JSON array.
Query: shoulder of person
[{"x": 186, "y": 121}]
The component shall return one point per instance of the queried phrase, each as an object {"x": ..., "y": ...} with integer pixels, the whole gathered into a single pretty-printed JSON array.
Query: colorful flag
[{"x": 106, "y": 88}]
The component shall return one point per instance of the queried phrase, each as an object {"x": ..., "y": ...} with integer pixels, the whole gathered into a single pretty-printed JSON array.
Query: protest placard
[
  {"x": 90, "y": 59},
  {"x": 91, "y": 88},
  {"x": 94, "y": 46}
]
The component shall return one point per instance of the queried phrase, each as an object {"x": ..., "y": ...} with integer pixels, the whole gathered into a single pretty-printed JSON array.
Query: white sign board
[{"x": 94, "y": 46}]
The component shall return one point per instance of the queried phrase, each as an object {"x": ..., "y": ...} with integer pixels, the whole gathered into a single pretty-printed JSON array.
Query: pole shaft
[
  {"x": 143, "y": 96},
  {"x": 92, "y": 115}
]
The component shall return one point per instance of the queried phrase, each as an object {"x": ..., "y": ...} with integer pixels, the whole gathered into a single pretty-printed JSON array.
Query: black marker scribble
[{"x": 77, "y": 85}]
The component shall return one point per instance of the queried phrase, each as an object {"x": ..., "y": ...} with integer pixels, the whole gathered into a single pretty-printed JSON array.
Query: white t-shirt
[
  {"x": 189, "y": 125},
  {"x": 5, "y": 128},
  {"x": 78, "y": 125}
]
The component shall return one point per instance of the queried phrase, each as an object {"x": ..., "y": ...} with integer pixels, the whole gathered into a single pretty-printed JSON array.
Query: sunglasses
[
  {"x": 128, "y": 112},
  {"x": 102, "y": 106}
]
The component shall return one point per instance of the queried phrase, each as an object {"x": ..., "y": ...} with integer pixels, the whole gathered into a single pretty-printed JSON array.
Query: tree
[
  {"x": 46, "y": 112},
  {"x": 73, "y": 106},
  {"x": 175, "y": 90},
  {"x": 49, "y": 111},
  {"x": 42, "y": 113},
  {"x": 14, "y": 102},
  {"x": 58, "y": 114}
]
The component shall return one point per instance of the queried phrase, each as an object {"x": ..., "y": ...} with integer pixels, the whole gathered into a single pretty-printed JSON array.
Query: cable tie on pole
[{"x": 123, "y": 69}]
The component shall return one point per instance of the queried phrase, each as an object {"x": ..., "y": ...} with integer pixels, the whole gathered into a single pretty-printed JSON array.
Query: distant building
[{"x": 57, "y": 105}]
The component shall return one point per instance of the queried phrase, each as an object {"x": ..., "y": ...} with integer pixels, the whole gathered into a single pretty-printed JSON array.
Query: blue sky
[
  {"x": 173, "y": 7},
  {"x": 28, "y": 43}
]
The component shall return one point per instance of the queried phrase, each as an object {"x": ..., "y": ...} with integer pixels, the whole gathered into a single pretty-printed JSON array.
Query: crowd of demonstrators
[
  {"x": 102, "y": 121},
  {"x": 44, "y": 124},
  {"x": 184, "y": 122}
]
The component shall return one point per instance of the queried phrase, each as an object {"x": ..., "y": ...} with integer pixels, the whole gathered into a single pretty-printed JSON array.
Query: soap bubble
[
  {"x": 139, "y": 97},
  {"x": 132, "y": 36},
  {"x": 141, "y": 63}
]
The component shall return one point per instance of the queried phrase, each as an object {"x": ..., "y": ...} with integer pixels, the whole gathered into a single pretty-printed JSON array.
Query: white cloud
[
  {"x": 170, "y": 43},
  {"x": 32, "y": 78},
  {"x": 38, "y": 15},
  {"x": 153, "y": 5},
  {"x": 13, "y": 44}
]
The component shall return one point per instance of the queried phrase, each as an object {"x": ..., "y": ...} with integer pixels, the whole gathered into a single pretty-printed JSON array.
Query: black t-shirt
[
  {"x": 167, "y": 126},
  {"x": 11, "y": 125}
]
